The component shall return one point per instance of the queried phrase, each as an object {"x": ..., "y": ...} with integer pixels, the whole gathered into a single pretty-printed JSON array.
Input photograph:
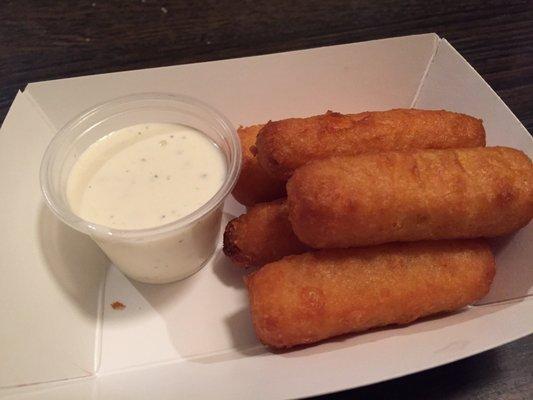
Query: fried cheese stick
[
  {"x": 314, "y": 296},
  {"x": 254, "y": 185},
  {"x": 285, "y": 145},
  {"x": 408, "y": 196},
  {"x": 262, "y": 235}
]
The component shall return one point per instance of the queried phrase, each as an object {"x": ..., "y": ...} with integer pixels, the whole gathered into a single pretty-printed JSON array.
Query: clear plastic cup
[{"x": 168, "y": 252}]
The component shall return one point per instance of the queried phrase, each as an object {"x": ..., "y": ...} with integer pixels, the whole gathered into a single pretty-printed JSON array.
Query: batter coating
[
  {"x": 262, "y": 235},
  {"x": 286, "y": 145},
  {"x": 408, "y": 196},
  {"x": 314, "y": 296},
  {"x": 254, "y": 185}
]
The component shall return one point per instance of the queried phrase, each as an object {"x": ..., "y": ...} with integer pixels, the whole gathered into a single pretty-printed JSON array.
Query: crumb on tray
[{"x": 117, "y": 305}]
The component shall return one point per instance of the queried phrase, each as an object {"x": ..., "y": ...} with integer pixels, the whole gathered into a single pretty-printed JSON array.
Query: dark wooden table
[{"x": 41, "y": 40}]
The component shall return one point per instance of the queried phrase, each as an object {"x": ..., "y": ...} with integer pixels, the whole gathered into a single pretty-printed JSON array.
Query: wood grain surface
[{"x": 43, "y": 40}]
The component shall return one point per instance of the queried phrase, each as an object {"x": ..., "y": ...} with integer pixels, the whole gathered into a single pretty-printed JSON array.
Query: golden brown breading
[
  {"x": 314, "y": 296},
  {"x": 254, "y": 185},
  {"x": 407, "y": 196},
  {"x": 262, "y": 235},
  {"x": 286, "y": 145}
]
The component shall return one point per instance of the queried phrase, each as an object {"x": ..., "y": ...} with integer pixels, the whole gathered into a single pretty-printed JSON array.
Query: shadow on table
[
  {"x": 240, "y": 326},
  {"x": 74, "y": 260},
  {"x": 514, "y": 275},
  {"x": 163, "y": 296},
  {"x": 197, "y": 311}
]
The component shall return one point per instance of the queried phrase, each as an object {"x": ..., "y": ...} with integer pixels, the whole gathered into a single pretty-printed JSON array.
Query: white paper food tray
[{"x": 59, "y": 337}]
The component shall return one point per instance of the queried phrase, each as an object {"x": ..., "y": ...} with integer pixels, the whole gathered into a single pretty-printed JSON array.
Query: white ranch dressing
[{"x": 145, "y": 176}]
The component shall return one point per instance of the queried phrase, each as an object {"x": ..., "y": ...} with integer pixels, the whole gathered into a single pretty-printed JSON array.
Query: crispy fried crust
[
  {"x": 260, "y": 236},
  {"x": 254, "y": 185},
  {"x": 288, "y": 144},
  {"x": 407, "y": 196},
  {"x": 314, "y": 296}
]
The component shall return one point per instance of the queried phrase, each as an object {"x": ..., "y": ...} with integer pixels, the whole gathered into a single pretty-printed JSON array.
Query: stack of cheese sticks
[{"x": 365, "y": 220}]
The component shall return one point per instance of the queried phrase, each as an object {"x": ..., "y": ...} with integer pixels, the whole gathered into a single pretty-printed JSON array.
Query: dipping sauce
[{"x": 144, "y": 176}]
